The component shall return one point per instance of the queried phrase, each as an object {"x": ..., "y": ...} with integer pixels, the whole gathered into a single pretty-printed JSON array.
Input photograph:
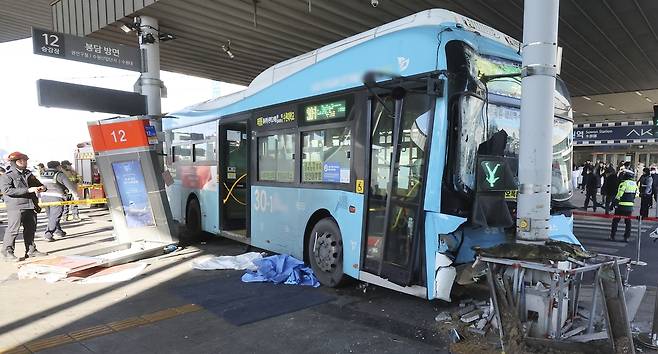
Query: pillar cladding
[
  {"x": 150, "y": 82},
  {"x": 539, "y": 52}
]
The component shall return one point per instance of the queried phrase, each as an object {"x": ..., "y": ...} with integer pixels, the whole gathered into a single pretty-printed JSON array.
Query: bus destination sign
[
  {"x": 270, "y": 118},
  {"x": 325, "y": 111}
]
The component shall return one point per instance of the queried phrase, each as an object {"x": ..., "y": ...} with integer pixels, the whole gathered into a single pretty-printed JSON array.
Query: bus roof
[{"x": 287, "y": 68}]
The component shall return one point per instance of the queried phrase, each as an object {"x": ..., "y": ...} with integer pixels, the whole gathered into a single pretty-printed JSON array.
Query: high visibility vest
[{"x": 627, "y": 193}]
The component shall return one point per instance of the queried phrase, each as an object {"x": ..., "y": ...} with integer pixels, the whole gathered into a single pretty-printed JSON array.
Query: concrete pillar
[{"x": 539, "y": 52}]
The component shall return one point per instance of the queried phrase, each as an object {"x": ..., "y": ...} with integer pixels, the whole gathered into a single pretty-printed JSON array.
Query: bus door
[
  {"x": 233, "y": 179},
  {"x": 398, "y": 140}
]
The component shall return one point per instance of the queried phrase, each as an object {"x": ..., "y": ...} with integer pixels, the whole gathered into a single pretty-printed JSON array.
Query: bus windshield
[{"x": 502, "y": 112}]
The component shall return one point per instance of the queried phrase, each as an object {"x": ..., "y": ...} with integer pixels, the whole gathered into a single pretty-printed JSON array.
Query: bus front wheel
[{"x": 325, "y": 250}]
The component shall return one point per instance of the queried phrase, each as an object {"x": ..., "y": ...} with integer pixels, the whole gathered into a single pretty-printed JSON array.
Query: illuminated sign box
[{"x": 495, "y": 174}]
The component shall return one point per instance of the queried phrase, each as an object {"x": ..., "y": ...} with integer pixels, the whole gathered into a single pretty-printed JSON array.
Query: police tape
[
  {"x": 91, "y": 186},
  {"x": 68, "y": 202}
]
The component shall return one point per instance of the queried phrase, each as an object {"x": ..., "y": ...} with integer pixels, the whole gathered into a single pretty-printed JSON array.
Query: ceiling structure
[{"x": 610, "y": 47}]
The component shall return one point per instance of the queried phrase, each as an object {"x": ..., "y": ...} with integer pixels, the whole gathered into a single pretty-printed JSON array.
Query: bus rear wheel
[
  {"x": 325, "y": 250},
  {"x": 193, "y": 230}
]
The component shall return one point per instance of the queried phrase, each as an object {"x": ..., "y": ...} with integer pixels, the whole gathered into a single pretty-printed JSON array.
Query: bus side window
[
  {"x": 276, "y": 158},
  {"x": 326, "y": 155}
]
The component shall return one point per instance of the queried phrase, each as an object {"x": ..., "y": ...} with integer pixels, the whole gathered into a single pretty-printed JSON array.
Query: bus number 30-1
[{"x": 263, "y": 201}]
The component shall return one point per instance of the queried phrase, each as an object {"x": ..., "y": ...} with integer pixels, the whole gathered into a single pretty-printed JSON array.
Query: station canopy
[{"x": 610, "y": 47}]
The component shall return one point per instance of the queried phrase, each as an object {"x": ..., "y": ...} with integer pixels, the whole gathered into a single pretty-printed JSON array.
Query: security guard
[
  {"x": 57, "y": 183},
  {"x": 625, "y": 200},
  {"x": 19, "y": 187}
]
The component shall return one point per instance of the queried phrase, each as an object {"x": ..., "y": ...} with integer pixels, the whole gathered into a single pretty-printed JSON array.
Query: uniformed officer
[
  {"x": 71, "y": 212},
  {"x": 19, "y": 187},
  {"x": 625, "y": 200},
  {"x": 58, "y": 185}
]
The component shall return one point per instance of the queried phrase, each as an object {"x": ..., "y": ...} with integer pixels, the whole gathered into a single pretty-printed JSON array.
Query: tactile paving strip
[{"x": 100, "y": 330}]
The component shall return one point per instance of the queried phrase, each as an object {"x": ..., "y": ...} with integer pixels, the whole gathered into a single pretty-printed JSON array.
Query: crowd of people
[
  {"x": 22, "y": 191},
  {"x": 618, "y": 189}
]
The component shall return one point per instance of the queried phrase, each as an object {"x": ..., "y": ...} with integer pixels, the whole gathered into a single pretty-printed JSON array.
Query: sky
[{"x": 52, "y": 133}]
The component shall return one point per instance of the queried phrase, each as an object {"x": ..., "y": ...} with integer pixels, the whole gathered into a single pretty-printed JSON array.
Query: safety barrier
[
  {"x": 68, "y": 202},
  {"x": 639, "y": 218}
]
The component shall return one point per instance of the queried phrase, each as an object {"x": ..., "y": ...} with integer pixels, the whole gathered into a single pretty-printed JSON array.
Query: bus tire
[
  {"x": 325, "y": 253},
  {"x": 193, "y": 229}
]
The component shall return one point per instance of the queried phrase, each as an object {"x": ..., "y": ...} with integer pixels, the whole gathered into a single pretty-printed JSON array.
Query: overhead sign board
[
  {"x": 86, "y": 50},
  {"x": 613, "y": 133},
  {"x": 89, "y": 98}
]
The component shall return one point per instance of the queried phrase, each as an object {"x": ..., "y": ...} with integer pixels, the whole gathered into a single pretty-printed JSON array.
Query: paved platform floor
[
  {"x": 147, "y": 315},
  {"x": 144, "y": 315}
]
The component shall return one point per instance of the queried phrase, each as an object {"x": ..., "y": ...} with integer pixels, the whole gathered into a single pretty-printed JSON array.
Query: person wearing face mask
[{"x": 20, "y": 187}]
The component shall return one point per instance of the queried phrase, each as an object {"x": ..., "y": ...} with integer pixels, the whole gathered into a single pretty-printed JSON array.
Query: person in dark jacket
[
  {"x": 654, "y": 177},
  {"x": 591, "y": 183},
  {"x": 609, "y": 188},
  {"x": 59, "y": 186},
  {"x": 19, "y": 187},
  {"x": 646, "y": 192}
]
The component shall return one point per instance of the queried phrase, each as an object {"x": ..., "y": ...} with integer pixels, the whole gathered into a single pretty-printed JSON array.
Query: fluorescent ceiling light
[
  {"x": 585, "y": 114},
  {"x": 638, "y": 93},
  {"x": 648, "y": 99},
  {"x": 600, "y": 103},
  {"x": 622, "y": 112},
  {"x": 612, "y": 108},
  {"x": 587, "y": 98}
]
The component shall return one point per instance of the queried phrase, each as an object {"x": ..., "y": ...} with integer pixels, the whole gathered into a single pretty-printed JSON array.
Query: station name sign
[
  {"x": 86, "y": 50},
  {"x": 611, "y": 132}
]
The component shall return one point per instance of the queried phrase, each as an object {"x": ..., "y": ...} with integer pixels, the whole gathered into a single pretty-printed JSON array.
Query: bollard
[{"x": 639, "y": 242}]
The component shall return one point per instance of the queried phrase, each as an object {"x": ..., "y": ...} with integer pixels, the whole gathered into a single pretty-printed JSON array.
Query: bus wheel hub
[{"x": 326, "y": 252}]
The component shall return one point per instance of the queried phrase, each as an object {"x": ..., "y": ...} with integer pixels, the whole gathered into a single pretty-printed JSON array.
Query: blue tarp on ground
[{"x": 281, "y": 268}]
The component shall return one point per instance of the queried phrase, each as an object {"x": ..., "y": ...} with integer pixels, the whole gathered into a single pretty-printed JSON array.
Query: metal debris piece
[
  {"x": 464, "y": 310},
  {"x": 454, "y": 335},
  {"x": 471, "y": 316},
  {"x": 574, "y": 331}
]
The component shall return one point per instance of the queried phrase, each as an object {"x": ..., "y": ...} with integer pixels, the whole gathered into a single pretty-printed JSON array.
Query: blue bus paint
[{"x": 279, "y": 216}]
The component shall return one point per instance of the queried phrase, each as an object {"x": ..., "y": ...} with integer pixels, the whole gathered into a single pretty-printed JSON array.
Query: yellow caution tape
[
  {"x": 68, "y": 202},
  {"x": 91, "y": 186}
]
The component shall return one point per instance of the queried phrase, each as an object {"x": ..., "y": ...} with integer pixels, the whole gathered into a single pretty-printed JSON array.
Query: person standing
[
  {"x": 646, "y": 192},
  {"x": 609, "y": 188},
  {"x": 19, "y": 187},
  {"x": 591, "y": 182},
  {"x": 654, "y": 178},
  {"x": 71, "y": 212},
  {"x": 625, "y": 201},
  {"x": 58, "y": 185}
]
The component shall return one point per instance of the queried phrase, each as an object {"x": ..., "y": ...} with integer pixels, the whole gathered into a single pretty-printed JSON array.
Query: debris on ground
[
  {"x": 281, "y": 268},
  {"x": 240, "y": 262},
  {"x": 443, "y": 316}
]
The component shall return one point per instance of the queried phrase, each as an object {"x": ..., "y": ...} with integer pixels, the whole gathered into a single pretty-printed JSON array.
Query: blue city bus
[{"x": 364, "y": 157}]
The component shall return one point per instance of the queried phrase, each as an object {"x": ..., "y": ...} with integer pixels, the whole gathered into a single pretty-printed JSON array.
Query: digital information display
[
  {"x": 276, "y": 118},
  {"x": 325, "y": 111},
  {"x": 132, "y": 192}
]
